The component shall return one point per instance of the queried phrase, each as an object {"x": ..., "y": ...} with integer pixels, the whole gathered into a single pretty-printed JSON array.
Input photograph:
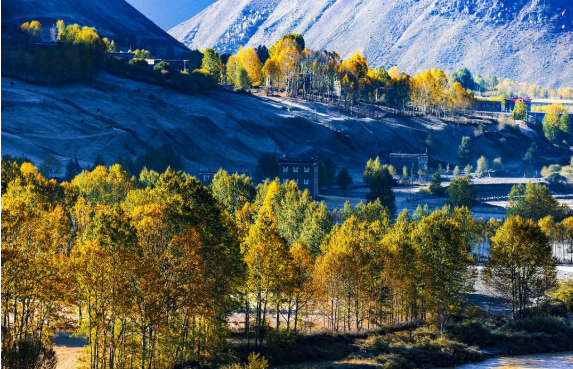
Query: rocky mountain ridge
[{"x": 529, "y": 40}]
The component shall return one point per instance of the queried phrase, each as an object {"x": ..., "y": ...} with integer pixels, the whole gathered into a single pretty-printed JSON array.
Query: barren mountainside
[
  {"x": 115, "y": 19},
  {"x": 529, "y": 40}
]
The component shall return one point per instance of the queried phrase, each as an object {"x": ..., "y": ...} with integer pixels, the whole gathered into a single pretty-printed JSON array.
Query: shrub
[
  {"x": 471, "y": 332},
  {"x": 28, "y": 354},
  {"x": 462, "y": 192},
  {"x": 436, "y": 188},
  {"x": 553, "y": 168},
  {"x": 552, "y": 307},
  {"x": 538, "y": 324}
]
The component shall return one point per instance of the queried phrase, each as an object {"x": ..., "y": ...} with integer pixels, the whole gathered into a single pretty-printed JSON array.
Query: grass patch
[
  {"x": 530, "y": 335},
  {"x": 425, "y": 348}
]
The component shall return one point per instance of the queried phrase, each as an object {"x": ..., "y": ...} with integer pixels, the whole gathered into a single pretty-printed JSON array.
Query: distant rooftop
[
  {"x": 407, "y": 155},
  {"x": 285, "y": 159},
  {"x": 519, "y": 99}
]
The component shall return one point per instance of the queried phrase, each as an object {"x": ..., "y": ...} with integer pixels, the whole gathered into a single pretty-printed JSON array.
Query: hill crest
[{"x": 528, "y": 40}]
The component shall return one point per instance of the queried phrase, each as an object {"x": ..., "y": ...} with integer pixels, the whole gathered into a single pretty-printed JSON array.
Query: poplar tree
[{"x": 521, "y": 267}]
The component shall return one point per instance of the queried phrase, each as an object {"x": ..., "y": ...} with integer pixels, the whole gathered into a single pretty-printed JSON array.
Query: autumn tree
[
  {"x": 30, "y": 32},
  {"x": 443, "y": 256},
  {"x": 244, "y": 69},
  {"x": 103, "y": 186},
  {"x": 556, "y": 123},
  {"x": 141, "y": 54},
  {"x": 303, "y": 285},
  {"x": 233, "y": 191},
  {"x": 102, "y": 263},
  {"x": 519, "y": 111},
  {"x": 458, "y": 99},
  {"x": 35, "y": 261},
  {"x": 533, "y": 201},
  {"x": 521, "y": 267},
  {"x": 346, "y": 273},
  {"x": 268, "y": 263}
]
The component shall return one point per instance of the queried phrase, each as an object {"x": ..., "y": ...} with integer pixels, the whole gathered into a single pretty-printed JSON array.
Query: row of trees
[
  {"x": 150, "y": 268},
  {"x": 148, "y": 274},
  {"x": 290, "y": 67},
  {"x": 495, "y": 87},
  {"x": 79, "y": 53}
]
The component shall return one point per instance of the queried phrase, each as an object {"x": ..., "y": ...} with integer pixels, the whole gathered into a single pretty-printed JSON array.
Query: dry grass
[{"x": 67, "y": 356}]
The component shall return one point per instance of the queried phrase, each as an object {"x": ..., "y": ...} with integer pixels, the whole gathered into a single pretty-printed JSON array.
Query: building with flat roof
[
  {"x": 304, "y": 172},
  {"x": 206, "y": 175},
  {"x": 488, "y": 105},
  {"x": 122, "y": 56},
  {"x": 175, "y": 64},
  {"x": 510, "y": 103}
]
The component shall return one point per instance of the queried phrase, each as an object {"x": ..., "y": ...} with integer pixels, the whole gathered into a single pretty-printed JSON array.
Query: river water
[{"x": 556, "y": 360}]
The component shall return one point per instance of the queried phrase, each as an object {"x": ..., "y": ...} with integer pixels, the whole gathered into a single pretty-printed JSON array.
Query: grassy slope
[{"x": 222, "y": 129}]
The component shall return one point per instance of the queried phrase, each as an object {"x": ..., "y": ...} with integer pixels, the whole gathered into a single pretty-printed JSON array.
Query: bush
[
  {"x": 139, "y": 70},
  {"x": 426, "y": 348},
  {"x": 436, "y": 188},
  {"x": 471, "y": 332},
  {"x": 552, "y": 307},
  {"x": 462, "y": 192},
  {"x": 538, "y": 324},
  {"x": 256, "y": 361},
  {"x": 28, "y": 354},
  {"x": 552, "y": 169}
]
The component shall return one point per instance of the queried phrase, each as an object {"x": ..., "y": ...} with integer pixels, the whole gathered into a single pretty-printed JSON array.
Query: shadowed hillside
[{"x": 223, "y": 129}]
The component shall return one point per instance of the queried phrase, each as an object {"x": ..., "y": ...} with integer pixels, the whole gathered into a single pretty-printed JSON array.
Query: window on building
[
  {"x": 306, "y": 169},
  {"x": 295, "y": 181},
  {"x": 295, "y": 169},
  {"x": 205, "y": 177},
  {"x": 306, "y": 181},
  {"x": 285, "y": 169}
]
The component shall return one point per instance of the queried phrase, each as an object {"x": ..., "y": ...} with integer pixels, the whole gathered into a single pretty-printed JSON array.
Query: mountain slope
[
  {"x": 169, "y": 13},
  {"x": 530, "y": 40},
  {"x": 115, "y": 19},
  {"x": 222, "y": 129}
]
